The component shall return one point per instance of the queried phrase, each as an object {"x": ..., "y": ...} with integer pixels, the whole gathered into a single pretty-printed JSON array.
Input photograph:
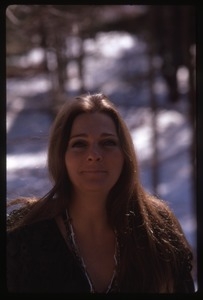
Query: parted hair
[{"x": 153, "y": 248}]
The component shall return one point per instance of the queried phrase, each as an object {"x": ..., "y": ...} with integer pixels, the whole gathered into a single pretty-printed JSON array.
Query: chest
[{"x": 97, "y": 258}]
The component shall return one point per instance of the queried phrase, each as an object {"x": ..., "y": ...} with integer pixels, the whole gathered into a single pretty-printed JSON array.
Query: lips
[{"x": 94, "y": 171}]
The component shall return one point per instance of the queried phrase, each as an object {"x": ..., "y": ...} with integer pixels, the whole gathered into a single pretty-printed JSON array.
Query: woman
[{"x": 97, "y": 230}]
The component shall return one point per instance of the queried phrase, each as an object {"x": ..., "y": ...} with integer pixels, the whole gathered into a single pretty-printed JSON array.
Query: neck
[{"x": 89, "y": 214}]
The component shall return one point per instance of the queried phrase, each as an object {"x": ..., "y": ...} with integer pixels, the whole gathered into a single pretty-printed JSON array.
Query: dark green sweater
[{"x": 38, "y": 260}]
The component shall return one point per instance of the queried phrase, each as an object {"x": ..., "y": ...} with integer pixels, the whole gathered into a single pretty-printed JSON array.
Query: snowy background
[{"x": 110, "y": 60}]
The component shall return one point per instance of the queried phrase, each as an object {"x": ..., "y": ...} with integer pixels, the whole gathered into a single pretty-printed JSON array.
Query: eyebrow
[{"x": 104, "y": 134}]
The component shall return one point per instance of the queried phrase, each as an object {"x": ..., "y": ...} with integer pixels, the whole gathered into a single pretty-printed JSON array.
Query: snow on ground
[{"x": 28, "y": 124}]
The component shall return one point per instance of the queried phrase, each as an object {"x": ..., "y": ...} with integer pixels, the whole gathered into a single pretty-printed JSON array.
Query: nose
[{"x": 94, "y": 154}]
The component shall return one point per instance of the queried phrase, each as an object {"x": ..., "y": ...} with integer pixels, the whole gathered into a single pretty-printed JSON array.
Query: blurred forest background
[
  {"x": 62, "y": 33},
  {"x": 142, "y": 56}
]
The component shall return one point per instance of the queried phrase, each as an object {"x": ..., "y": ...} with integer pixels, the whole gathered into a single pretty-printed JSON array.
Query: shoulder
[
  {"x": 161, "y": 210},
  {"x": 35, "y": 228},
  {"x": 31, "y": 236},
  {"x": 167, "y": 228},
  {"x": 169, "y": 224}
]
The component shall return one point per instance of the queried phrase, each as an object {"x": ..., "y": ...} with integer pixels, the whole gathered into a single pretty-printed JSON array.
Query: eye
[
  {"x": 78, "y": 144},
  {"x": 109, "y": 143}
]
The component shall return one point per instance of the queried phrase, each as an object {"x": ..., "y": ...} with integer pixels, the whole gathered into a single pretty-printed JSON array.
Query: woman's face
[{"x": 93, "y": 158}]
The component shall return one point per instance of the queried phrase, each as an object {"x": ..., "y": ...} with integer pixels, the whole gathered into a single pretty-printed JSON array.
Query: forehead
[{"x": 95, "y": 123}]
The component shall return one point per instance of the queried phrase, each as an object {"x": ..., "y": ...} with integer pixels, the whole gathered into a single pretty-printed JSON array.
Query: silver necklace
[{"x": 74, "y": 246}]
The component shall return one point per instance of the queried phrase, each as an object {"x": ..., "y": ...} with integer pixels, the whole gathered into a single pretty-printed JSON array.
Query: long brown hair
[{"x": 151, "y": 240}]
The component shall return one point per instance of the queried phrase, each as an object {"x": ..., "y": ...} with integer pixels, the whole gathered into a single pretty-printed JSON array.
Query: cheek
[
  {"x": 70, "y": 163},
  {"x": 117, "y": 161},
  {"x": 121, "y": 163},
  {"x": 73, "y": 164}
]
